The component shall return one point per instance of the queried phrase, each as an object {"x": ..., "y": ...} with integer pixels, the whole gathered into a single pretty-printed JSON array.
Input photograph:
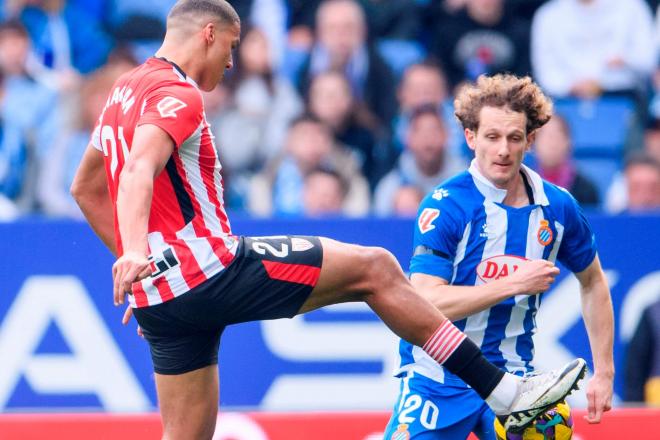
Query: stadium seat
[
  {"x": 599, "y": 128},
  {"x": 399, "y": 54}
]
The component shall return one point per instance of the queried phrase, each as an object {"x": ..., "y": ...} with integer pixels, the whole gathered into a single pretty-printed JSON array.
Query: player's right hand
[
  {"x": 130, "y": 267},
  {"x": 534, "y": 276}
]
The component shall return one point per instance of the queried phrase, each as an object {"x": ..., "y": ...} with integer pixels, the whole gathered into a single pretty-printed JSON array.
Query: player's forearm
[
  {"x": 599, "y": 321},
  {"x": 97, "y": 209},
  {"x": 133, "y": 206},
  {"x": 458, "y": 302}
]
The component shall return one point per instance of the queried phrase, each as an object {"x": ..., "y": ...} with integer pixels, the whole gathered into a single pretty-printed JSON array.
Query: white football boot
[{"x": 538, "y": 392}]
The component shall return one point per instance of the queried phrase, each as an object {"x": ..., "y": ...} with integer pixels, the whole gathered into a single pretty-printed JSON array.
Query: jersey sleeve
[
  {"x": 95, "y": 138},
  {"x": 578, "y": 247},
  {"x": 438, "y": 230},
  {"x": 177, "y": 109}
]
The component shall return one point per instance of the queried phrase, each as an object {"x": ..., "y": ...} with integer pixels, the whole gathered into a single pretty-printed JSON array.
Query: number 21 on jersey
[{"x": 109, "y": 143}]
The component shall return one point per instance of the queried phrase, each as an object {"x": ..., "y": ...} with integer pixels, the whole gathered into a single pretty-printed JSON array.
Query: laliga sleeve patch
[
  {"x": 168, "y": 106},
  {"x": 426, "y": 219}
]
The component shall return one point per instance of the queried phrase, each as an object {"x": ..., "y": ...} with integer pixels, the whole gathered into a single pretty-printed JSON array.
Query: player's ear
[
  {"x": 470, "y": 136},
  {"x": 209, "y": 32},
  {"x": 531, "y": 137}
]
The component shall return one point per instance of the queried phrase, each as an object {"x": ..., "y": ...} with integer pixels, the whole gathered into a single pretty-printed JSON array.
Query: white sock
[{"x": 502, "y": 397}]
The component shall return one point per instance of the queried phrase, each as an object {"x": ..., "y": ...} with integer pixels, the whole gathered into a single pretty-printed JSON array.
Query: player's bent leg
[
  {"x": 353, "y": 273},
  {"x": 371, "y": 274},
  {"x": 188, "y": 403}
]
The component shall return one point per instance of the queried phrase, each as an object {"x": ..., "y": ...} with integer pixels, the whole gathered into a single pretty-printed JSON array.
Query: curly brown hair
[{"x": 503, "y": 90}]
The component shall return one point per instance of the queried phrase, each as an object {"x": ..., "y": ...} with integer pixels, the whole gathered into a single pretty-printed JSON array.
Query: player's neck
[
  {"x": 516, "y": 194},
  {"x": 182, "y": 57}
]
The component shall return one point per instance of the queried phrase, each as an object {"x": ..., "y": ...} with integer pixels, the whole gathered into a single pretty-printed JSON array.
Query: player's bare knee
[{"x": 383, "y": 270}]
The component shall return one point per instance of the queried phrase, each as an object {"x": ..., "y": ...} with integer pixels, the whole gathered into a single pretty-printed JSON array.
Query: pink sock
[{"x": 444, "y": 342}]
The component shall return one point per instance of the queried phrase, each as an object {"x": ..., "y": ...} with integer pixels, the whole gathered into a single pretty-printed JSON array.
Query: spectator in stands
[
  {"x": 652, "y": 139},
  {"x": 583, "y": 48},
  {"x": 407, "y": 200},
  {"x": 481, "y": 39},
  {"x": 138, "y": 26},
  {"x": 637, "y": 189},
  {"x": 28, "y": 112},
  {"x": 302, "y": 15},
  {"x": 124, "y": 13},
  {"x": 393, "y": 19},
  {"x": 66, "y": 40},
  {"x": 270, "y": 17},
  {"x": 642, "y": 174},
  {"x": 324, "y": 193},
  {"x": 552, "y": 151},
  {"x": 426, "y": 84},
  {"x": 424, "y": 164},
  {"x": 11, "y": 152},
  {"x": 60, "y": 161},
  {"x": 642, "y": 370},
  {"x": 617, "y": 194},
  {"x": 252, "y": 130},
  {"x": 279, "y": 189},
  {"x": 330, "y": 100},
  {"x": 341, "y": 44}
]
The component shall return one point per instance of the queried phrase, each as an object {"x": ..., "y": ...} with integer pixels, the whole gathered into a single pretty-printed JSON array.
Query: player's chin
[
  {"x": 209, "y": 87},
  {"x": 501, "y": 175}
]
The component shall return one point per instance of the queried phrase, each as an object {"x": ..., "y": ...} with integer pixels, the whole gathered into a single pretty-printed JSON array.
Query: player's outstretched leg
[
  {"x": 371, "y": 274},
  {"x": 188, "y": 403}
]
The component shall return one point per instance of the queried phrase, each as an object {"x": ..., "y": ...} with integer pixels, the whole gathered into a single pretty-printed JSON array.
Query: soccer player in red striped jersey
[{"x": 150, "y": 187}]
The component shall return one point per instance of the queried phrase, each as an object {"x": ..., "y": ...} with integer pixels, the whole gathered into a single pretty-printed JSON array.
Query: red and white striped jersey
[{"x": 190, "y": 239}]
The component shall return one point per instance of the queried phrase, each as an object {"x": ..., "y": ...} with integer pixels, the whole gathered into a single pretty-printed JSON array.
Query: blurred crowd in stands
[{"x": 344, "y": 107}]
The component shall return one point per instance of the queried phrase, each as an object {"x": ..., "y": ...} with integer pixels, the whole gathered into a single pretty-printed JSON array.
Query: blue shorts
[
  {"x": 262, "y": 282},
  {"x": 428, "y": 410}
]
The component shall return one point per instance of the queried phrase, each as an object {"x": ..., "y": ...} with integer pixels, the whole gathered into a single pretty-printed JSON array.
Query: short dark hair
[
  {"x": 332, "y": 172},
  {"x": 426, "y": 109},
  {"x": 306, "y": 117},
  {"x": 218, "y": 8},
  {"x": 428, "y": 63},
  {"x": 641, "y": 158},
  {"x": 14, "y": 25}
]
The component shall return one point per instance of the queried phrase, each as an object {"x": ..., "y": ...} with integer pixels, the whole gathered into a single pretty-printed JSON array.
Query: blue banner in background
[{"x": 62, "y": 345}]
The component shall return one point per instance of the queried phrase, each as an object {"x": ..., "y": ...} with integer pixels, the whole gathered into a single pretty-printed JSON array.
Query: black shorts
[{"x": 270, "y": 278}]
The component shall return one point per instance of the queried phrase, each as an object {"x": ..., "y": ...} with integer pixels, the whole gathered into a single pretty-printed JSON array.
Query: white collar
[{"x": 497, "y": 195}]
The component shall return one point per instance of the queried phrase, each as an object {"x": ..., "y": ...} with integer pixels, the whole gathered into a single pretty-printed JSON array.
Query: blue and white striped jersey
[{"x": 465, "y": 235}]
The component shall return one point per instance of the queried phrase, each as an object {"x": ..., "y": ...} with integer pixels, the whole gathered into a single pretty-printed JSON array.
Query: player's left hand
[{"x": 599, "y": 397}]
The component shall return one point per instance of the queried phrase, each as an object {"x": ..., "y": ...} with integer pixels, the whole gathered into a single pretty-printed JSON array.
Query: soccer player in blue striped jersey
[{"x": 485, "y": 247}]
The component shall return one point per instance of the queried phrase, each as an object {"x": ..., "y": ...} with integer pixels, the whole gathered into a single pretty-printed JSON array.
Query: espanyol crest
[{"x": 544, "y": 234}]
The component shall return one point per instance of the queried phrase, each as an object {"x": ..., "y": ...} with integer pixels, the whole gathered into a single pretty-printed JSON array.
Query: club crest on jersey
[
  {"x": 168, "y": 106},
  {"x": 426, "y": 219},
  {"x": 497, "y": 267},
  {"x": 300, "y": 244},
  {"x": 544, "y": 234},
  {"x": 401, "y": 433}
]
